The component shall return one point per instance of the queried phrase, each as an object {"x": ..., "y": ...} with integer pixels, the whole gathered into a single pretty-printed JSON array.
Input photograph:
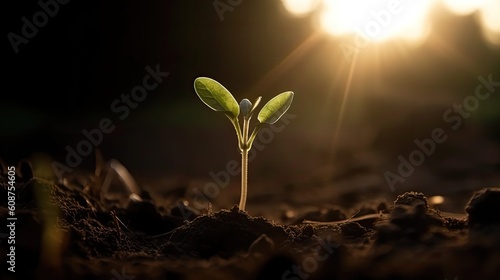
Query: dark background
[{"x": 91, "y": 52}]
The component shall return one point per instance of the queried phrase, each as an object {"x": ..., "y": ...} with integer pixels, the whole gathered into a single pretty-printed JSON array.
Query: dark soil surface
[{"x": 67, "y": 233}]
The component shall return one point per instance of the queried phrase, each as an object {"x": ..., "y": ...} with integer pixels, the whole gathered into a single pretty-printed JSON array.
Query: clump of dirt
[
  {"x": 223, "y": 233},
  {"x": 484, "y": 207},
  {"x": 408, "y": 223},
  {"x": 412, "y": 199}
]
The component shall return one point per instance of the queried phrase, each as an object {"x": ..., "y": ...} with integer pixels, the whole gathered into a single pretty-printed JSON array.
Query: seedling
[{"x": 219, "y": 99}]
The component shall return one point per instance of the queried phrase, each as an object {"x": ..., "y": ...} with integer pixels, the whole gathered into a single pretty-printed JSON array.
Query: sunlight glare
[
  {"x": 381, "y": 20},
  {"x": 490, "y": 21},
  {"x": 487, "y": 15},
  {"x": 300, "y": 7},
  {"x": 490, "y": 15},
  {"x": 376, "y": 20}
]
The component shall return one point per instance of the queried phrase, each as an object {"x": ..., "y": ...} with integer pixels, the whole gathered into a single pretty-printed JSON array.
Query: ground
[{"x": 69, "y": 232}]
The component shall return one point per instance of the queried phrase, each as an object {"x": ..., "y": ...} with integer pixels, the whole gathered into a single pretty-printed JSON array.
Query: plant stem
[
  {"x": 236, "y": 125},
  {"x": 244, "y": 176},
  {"x": 244, "y": 164}
]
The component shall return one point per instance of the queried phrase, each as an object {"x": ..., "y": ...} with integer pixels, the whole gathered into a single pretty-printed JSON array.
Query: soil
[{"x": 68, "y": 233}]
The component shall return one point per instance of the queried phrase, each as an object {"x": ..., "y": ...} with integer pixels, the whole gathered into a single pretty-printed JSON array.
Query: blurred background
[{"x": 370, "y": 77}]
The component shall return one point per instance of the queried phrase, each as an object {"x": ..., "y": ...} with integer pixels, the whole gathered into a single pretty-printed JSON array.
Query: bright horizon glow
[{"x": 380, "y": 20}]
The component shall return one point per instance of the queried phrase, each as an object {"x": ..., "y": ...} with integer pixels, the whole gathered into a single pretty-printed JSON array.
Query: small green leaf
[
  {"x": 254, "y": 106},
  {"x": 216, "y": 96},
  {"x": 275, "y": 108}
]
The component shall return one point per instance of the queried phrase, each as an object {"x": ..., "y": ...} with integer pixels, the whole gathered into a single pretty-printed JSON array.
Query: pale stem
[
  {"x": 236, "y": 125},
  {"x": 244, "y": 176},
  {"x": 244, "y": 164}
]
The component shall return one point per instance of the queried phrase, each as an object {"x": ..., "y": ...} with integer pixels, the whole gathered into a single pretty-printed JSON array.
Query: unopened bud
[{"x": 245, "y": 106}]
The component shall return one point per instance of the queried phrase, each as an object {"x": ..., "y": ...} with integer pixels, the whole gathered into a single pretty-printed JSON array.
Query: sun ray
[{"x": 344, "y": 102}]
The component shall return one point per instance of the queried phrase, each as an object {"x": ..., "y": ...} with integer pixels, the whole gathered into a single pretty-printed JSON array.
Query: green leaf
[
  {"x": 275, "y": 108},
  {"x": 255, "y": 104},
  {"x": 216, "y": 96}
]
